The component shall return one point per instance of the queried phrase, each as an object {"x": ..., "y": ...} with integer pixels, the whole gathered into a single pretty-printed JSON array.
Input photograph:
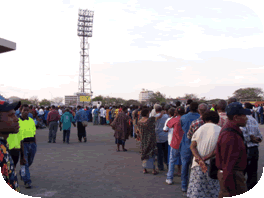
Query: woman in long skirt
[
  {"x": 204, "y": 142},
  {"x": 146, "y": 131}
]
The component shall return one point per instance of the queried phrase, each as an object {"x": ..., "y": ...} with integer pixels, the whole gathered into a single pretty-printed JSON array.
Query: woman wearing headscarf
[
  {"x": 204, "y": 142},
  {"x": 148, "y": 149}
]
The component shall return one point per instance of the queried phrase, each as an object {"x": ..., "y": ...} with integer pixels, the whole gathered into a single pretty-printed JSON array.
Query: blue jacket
[
  {"x": 186, "y": 121},
  {"x": 80, "y": 116}
]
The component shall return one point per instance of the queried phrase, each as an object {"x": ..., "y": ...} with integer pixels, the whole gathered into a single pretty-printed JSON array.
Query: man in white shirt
[{"x": 101, "y": 115}]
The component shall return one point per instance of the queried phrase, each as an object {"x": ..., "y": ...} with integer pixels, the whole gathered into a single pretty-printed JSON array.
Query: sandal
[
  {"x": 145, "y": 171},
  {"x": 155, "y": 173},
  {"x": 117, "y": 150}
]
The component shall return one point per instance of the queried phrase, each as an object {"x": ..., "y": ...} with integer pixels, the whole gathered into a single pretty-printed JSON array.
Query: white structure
[
  {"x": 144, "y": 95},
  {"x": 71, "y": 100}
]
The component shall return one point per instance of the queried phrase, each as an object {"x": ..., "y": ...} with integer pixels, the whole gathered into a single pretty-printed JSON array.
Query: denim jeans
[
  {"x": 186, "y": 161},
  {"x": 29, "y": 154},
  {"x": 95, "y": 119},
  {"x": 162, "y": 154},
  {"x": 66, "y": 134},
  {"x": 173, "y": 158},
  {"x": 53, "y": 128},
  {"x": 252, "y": 166}
]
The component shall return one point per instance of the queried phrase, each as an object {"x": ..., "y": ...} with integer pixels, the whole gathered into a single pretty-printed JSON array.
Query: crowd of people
[{"x": 214, "y": 147}]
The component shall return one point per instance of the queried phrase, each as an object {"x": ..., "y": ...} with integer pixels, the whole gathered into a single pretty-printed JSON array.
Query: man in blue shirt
[
  {"x": 95, "y": 113},
  {"x": 81, "y": 116},
  {"x": 162, "y": 138},
  {"x": 66, "y": 120},
  {"x": 185, "y": 151}
]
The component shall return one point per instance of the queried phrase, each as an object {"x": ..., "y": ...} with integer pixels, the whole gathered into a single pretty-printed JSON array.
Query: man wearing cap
[
  {"x": 252, "y": 137},
  {"x": 231, "y": 155},
  {"x": 8, "y": 125}
]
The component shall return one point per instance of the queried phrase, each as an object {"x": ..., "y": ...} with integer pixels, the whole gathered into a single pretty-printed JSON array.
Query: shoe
[
  {"x": 184, "y": 193},
  {"x": 63, "y": 141},
  {"x": 49, "y": 141},
  {"x": 54, "y": 141},
  {"x": 125, "y": 150},
  {"x": 68, "y": 142},
  {"x": 85, "y": 140},
  {"x": 28, "y": 186},
  {"x": 169, "y": 181}
]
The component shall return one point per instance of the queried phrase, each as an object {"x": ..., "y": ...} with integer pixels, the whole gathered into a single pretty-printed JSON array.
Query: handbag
[
  {"x": 212, "y": 168},
  {"x": 85, "y": 123}
]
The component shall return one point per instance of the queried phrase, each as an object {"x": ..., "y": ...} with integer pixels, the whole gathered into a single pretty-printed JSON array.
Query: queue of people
[{"x": 219, "y": 145}]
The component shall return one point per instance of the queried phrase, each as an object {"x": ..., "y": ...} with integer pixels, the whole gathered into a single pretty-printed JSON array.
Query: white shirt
[
  {"x": 153, "y": 113},
  {"x": 170, "y": 130},
  {"x": 60, "y": 111},
  {"x": 92, "y": 113},
  {"x": 102, "y": 112},
  {"x": 206, "y": 137}
]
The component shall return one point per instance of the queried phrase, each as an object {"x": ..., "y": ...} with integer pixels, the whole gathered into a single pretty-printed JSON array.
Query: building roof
[{"x": 6, "y": 46}]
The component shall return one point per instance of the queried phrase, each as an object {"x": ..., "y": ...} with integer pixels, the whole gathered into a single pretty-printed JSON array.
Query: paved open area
[{"x": 95, "y": 169}]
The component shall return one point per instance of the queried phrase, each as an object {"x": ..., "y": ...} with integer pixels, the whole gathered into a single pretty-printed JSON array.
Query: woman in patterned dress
[
  {"x": 107, "y": 115},
  {"x": 204, "y": 142},
  {"x": 146, "y": 132}
]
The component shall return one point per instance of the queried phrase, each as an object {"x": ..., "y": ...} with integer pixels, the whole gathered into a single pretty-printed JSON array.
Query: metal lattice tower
[{"x": 85, "y": 27}]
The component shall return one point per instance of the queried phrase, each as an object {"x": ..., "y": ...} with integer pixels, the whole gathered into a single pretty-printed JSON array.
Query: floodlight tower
[{"x": 85, "y": 28}]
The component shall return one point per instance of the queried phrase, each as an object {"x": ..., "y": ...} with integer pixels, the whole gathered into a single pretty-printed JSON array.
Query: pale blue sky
[{"x": 210, "y": 48}]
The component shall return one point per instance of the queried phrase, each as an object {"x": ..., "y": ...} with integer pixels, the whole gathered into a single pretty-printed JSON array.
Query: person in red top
[
  {"x": 52, "y": 121},
  {"x": 177, "y": 135},
  {"x": 231, "y": 155}
]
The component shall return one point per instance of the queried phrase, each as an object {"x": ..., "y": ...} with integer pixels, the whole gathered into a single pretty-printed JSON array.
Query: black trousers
[
  {"x": 252, "y": 166},
  {"x": 15, "y": 155},
  {"x": 162, "y": 154},
  {"x": 81, "y": 131}
]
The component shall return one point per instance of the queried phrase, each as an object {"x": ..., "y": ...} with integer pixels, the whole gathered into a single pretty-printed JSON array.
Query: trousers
[
  {"x": 252, "y": 166},
  {"x": 30, "y": 150},
  {"x": 81, "y": 131},
  {"x": 162, "y": 154},
  {"x": 53, "y": 128}
]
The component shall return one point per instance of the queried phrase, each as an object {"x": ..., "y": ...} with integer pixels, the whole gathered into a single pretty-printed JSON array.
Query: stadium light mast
[{"x": 85, "y": 29}]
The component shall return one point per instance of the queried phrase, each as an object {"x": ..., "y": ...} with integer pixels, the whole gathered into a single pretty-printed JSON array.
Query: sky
[{"x": 209, "y": 48}]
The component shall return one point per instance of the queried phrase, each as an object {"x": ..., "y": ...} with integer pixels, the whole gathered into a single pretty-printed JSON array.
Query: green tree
[
  {"x": 98, "y": 98},
  {"x": 45, "y": 102},
  {"x": 157, "y": 97},
  {"x": 248, "y": 93},
  {"x": 25, "y": 101}
]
